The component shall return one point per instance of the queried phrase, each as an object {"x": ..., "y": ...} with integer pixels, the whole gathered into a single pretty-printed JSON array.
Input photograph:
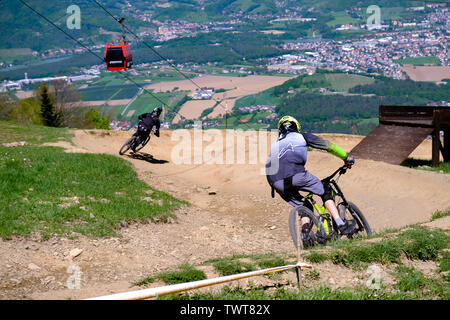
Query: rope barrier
[{"x": 175, "y": 288}]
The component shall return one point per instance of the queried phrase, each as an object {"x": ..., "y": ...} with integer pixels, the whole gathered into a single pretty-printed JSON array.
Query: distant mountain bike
[
  {"x": 129, "y": 143},
  {"x": 323, "y": 227}
]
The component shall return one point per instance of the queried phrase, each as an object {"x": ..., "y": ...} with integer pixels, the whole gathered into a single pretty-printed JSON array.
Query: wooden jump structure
[{"x": 401, "y": 129}]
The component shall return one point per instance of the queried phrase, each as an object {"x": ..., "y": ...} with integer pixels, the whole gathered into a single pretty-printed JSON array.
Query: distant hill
[{"x": 27, "y": 30}]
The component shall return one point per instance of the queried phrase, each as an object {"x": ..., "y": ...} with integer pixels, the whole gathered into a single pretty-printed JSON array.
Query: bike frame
[{"x": 324, "y": 217}]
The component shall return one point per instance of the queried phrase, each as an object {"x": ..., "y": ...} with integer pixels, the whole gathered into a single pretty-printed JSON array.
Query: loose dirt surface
[{"x": 231, "y": 212}]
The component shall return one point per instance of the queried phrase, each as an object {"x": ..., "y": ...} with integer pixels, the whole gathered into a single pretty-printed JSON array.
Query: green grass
[
  {"x": 443, "y": 167},
  {"x": 417, "y": 243},
  {"x": 30, "y": 133},
  {"x": 280, "y": 293},
  {"x": 146, "y": 103},
  {"x": 10, "y": 55},
  {"x": 109, "y": 92},
  {"x": 244, "y": 263},
  {"x": 341, "y": 17},
  {"x": 183, "y": 273},
  {"x": 440, "y": 214},
  {"x": 46, "y": 191},
  {"x": 263, "y": 98},
  {"x": 342, "y": 82},
  {"x": 419, "y": 61}
]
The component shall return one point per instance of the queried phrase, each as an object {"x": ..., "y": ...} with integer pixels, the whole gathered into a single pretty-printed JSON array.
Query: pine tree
[{"x": 50, "y": 117}]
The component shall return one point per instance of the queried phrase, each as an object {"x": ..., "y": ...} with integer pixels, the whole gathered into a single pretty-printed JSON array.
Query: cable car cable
[
  {"x": 92, "y": 52},
  {"x": 162, "y": 57}
]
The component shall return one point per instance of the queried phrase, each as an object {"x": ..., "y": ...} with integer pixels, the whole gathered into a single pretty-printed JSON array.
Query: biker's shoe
[
  {"x": 308, "y": 242},
  {"x": 348, "y": 227}
]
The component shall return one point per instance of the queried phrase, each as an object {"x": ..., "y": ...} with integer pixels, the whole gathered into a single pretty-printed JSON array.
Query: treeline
[
  {"x": 25, "y": 29},
  {"x": 52, "y": 105},
  {"x": 337, "y": 113},
  {"x": 54, "y": 67},
  {"x": 413, "y": 89},
  {"x": 223, "y": 47},
  {"x": 310, "y": 107}
]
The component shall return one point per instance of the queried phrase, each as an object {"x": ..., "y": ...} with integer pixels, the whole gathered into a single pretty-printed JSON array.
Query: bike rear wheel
[
  {"x": 142, "y": 144},
  {"x": 352, "y": 212},
  {"x": 316, "y": 230},
  {"x": 127, "y": 145}
]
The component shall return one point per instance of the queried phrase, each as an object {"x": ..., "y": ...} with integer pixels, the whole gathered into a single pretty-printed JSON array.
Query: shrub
[{"x": 26, "y": 111}]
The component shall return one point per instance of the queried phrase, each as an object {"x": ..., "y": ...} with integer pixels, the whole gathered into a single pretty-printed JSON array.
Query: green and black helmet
[{"x": 288, "y": 124}]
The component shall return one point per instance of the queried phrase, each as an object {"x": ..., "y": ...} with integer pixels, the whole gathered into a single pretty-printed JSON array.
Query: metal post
[
  {"x": 123, "y": 28},
  {"x": 435, "y": 148},
  {"x": 298, "y": 270}
]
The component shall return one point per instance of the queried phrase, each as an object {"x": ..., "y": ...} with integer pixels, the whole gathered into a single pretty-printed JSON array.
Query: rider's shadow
[{"x": 146, "y": 157}]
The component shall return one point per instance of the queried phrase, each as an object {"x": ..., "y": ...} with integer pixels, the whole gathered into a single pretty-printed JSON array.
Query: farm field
[
  {"x": 237, "y": 87},
  {"x": 427, "y": 73}
]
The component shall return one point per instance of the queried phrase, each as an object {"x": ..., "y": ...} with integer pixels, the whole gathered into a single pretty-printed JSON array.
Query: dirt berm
[{"x": 232, "y": 212}]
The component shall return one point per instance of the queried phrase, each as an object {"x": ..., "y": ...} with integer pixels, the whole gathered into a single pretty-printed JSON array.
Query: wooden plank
[
  {"x": 390, "y": 143},
  {"x": 446, "y": 153},
  {"x": 416, "y": 115}
]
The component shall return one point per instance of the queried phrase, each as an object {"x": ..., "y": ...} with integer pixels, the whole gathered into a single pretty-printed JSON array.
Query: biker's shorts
[{"x": 303, "y": 181}]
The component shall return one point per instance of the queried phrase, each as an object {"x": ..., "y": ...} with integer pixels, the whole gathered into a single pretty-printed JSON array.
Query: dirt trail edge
[{"x": 231, "y": 212}]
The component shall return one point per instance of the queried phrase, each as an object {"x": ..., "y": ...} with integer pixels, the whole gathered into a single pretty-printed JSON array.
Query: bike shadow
[{"x": 146, "y": 157}]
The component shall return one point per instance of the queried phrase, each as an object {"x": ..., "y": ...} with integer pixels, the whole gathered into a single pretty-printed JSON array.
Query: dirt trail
[{"x": 232, "y": 212}]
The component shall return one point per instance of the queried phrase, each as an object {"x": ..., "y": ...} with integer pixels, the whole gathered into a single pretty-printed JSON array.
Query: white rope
[{"x": 175, "y": 288}]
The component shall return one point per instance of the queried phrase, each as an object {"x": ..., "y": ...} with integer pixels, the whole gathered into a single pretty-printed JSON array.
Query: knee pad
[{"x": 328, "y": 193}]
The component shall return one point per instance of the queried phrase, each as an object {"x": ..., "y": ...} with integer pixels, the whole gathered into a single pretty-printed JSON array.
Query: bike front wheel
[
  {"x": 127, "y": 145},
  {"x": 315, "y": 230},
  {"x": 352, "y": 212}
]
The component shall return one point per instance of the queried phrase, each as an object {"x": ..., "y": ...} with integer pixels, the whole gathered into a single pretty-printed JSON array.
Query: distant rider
[
  {"x": 146, "y": 123},
  {"x": 291, "y": 177}
]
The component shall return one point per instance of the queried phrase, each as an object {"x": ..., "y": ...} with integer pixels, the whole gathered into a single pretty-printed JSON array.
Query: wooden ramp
[
  {"x": 402, "y": 129},
  {"x": 390, "y": 143}
]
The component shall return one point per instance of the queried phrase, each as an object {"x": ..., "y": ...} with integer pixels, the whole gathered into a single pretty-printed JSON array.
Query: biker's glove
[{"x": 349, "y": 162}]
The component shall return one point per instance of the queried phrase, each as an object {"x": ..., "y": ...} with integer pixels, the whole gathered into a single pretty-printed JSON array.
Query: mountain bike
[
  {"x": 129, "y": 143},
  {"x": 322, "y": 227}
]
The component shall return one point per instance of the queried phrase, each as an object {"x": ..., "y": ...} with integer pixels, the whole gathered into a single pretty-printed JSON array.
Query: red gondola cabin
[{"x": 118, "y": 56}]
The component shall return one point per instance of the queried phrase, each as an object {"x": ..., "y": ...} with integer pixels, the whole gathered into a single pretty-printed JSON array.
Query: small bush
[
  {"x": 423, "y": 244},
  {"x": 228, "y": 267},
  {"x": 316, "y": 257},
  {"x": 26, "y": 111},
  {"x": 185, "y": 273},
  {"x": 409, "y": 279},
  {"x": 440, "y": 214}
]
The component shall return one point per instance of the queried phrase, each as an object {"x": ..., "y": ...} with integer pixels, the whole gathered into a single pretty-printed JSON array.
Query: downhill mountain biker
[
  {"x": 146, "y": 123},
  {"x": 290, "y": 151}
]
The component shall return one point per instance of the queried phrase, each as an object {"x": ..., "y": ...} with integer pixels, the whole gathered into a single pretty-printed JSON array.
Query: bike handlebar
[{"x": 341, "y": 170}]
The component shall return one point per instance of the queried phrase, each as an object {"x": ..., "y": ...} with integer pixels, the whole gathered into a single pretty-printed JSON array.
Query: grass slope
[
  {"x": 47, "y": 191},
  {"x": 396, "y": 250}
]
